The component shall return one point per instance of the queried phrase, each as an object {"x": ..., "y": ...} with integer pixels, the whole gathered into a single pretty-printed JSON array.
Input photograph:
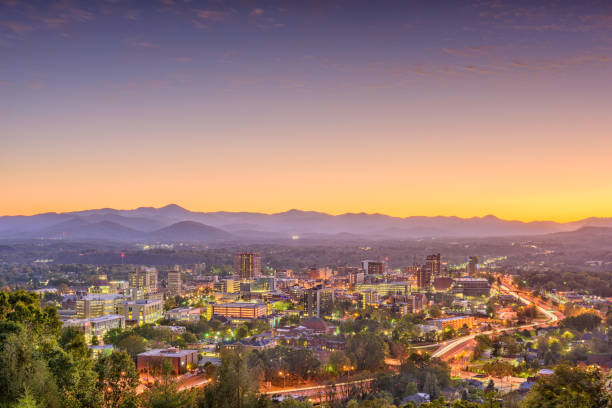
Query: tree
[
  {"x": 498, "y": 368},
  {"x": 339, "y": 362},
  {"x": 411, "y": 388},
  {"x": 133, "y": 345},
  {"x": 367, "y": 351},
  {"x": 569, "y": 387},
  {"x": 435, "y": 311},
  {"x": 117, "y": 380},
  {"x": 166, "y": 394},
  {"x": 431, "y": 386},
  {"x": 233, "y": 385},
  {"x": 583, "y": 322},
  {"x": 242, "y": 331},
  {"x": 27, "y": 401}
]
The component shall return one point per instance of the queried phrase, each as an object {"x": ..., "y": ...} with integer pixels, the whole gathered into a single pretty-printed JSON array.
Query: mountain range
[{"x": 173, "y": 223}]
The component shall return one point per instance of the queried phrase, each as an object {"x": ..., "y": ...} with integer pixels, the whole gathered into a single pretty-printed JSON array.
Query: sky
[{"x": 462, "y": 108}]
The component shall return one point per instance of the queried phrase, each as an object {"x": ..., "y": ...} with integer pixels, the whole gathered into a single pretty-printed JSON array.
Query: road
[
  {"x": 455, "y": 346},
  {"x": 318, "y": 393}
]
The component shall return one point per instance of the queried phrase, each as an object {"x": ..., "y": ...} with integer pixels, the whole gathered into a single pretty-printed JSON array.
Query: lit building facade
[
  {"x": 141, "y": 312},
  {"x": 97, "y": 305},
  {"x": 240, "y": 310},
  {"x": 247, "y": 265}
]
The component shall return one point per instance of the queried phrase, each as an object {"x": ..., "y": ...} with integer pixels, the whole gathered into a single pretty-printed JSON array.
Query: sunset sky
[{"x": 460, "y": 108}]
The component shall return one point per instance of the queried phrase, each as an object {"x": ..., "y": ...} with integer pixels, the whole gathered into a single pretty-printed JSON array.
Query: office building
[
  {"x": 240, "y": 310},
  {"x": 470, "y": 286},
  {"x": 184, "y": 314},
  {"x": 139, "y": 312},
  {"x": 423, "y": 277},
  {"x": 316, "y": 298},
  {"x": 144, "y": 278},
  {"x": 227, "y": 286},
  {"x": 370, "y": 298},
  {"x": 373, "y": 267},
  {"x": 432, "y": 265},
  {"x": 385, "y": 288},
  {"x": 472, "y": 266},
  {"x": 175, "y": 283},
  {"x": 247, "y": 265},
  {"x": 97, "y": 305},
  {"x": 455, "y": 322},
  {"x": 96, "y": 326},
  {"x": 355, "y": 277},
  {"x": 153, "y": 361},
  {"x": 258, "y": 285}
]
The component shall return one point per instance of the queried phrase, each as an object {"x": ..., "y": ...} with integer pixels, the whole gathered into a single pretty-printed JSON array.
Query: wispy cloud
[
  {"x": 139, "y": 43},
  {"x": 264, "y": 20},
  {"x": 35, "y": 85},
  {"x": 16, "y": 28},
  {"x": 256, "y": 12},
  {"x": 132, "y": 15},
  {"x": 472, "y": 51},
  {"x": 182, "y": 59},
  {"x": 213, "y": 15}
]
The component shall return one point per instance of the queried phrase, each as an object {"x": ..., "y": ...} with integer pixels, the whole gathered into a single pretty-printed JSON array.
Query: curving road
[{"x": 457, "y": 343}]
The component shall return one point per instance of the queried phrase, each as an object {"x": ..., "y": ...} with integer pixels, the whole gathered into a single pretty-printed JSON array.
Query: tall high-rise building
[
  {"x": 373, "y": 267},
  {"x": 199, "y": 268},
  {"x": 472, "y": 266},
  {"x": 247, "y": 265},
  {"x": 423, "y": 277},
  {"x": 432, "y": 263},
  {"x": 144, "y": 278},
  {"x": 175, "y": 282},
  {"x": 316, "y": 297}
]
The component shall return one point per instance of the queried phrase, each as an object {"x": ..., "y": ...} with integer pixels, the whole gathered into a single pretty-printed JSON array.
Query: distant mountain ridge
[{"x": 173, "y": 223}]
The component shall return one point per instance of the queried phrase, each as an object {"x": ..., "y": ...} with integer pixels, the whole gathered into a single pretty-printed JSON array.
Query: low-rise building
[
  {"x": 139, "y": 312},
  {"x": 240, "y": 310},
  {"x": 385, "y": 288},
  {"x": 95, "y": 305},
  {"x": 153, "y": 361},
  {"x": 456, "y": 322},
  {"x": 96, "y": 326},
  {"x": 185, "y": 314},
  {"x": 469, "y": 286}
]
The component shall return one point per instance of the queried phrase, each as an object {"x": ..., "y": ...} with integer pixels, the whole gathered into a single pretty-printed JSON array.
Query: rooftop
[
  {"x": 169, "y": 352},
  {"x": 238, "y": 304},
  {"x": 449, "y": 319}
]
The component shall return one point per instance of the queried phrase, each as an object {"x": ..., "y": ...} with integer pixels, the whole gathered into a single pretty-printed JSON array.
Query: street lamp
[{"x": 284, "y": 381}]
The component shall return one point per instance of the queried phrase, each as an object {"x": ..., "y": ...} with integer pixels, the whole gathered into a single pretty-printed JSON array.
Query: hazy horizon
[{"x": 296, "y": 209}]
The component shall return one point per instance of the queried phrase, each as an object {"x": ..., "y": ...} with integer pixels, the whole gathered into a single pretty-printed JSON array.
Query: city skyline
[{"x": 456, "y": 109}]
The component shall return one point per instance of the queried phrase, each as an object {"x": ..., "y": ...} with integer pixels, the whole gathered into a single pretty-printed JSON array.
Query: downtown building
[
  {"x": 238, "y": 310},
  {"x": 154, "y": 361},
  {"x": 385, "y": 288},
  {"x": 97, "y": 305},
  {"x": 315, "y": 298},
  {"x": 373, "y": 267},
  {"x": 247, "y": 265},
  {"x": 143, "y": 278},
  {"x": 139, "y": 312},
  {"x": 175, "y": 282},
  {"x": 470, "y": 286},
  {"x": 96, "y": 326},
  {"x": 472, "y": 266}
]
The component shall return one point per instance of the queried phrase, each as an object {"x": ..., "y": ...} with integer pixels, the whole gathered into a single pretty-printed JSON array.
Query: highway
[{"x": 457, "y": 344}]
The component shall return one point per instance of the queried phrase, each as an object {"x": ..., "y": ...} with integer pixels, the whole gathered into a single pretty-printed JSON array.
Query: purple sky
[{"x": 452, "y": 108}]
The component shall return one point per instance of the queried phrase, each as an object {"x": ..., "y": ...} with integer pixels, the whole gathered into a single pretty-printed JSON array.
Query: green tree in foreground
[
  {"x": 569, "y": 387},
  {"x": 117, "y": 380}
]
